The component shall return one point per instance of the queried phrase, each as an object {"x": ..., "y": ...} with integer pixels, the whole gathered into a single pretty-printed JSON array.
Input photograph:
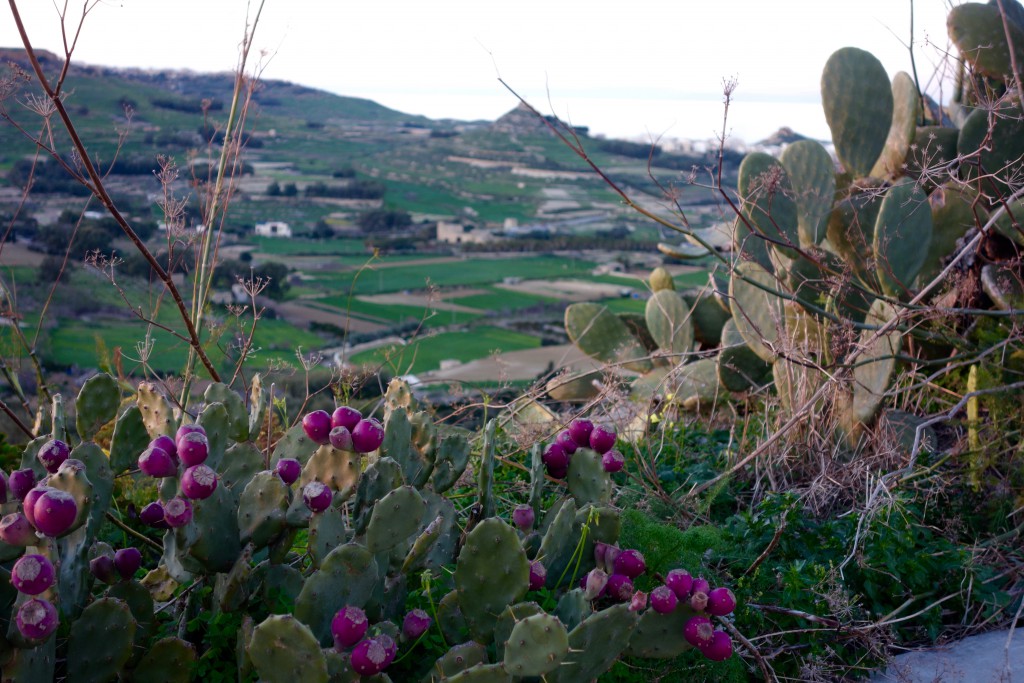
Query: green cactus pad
[
  {"x": 596, "y": 643},
  {"x": 768, "y": 206},
  {"x": 276, "y": 585},
  {"x": 411, "y": 441},
  {"x": 857, "y": 99},
  {"x": 97, "y": 404},
  {"x": 238, "y": 416},
  {"x": 537, "y": 472},
  {"x": 605, "y": 523},
  {"x": 739, "y": 368},
  {"x": 347, "y": 576},
  {"x": 536, "y": 646},
  {"x": 140, "y": 603},
  {"x": 579, "y": 387},
  {"x": 994, "y": 138},
  {"x": 231, "y": 589},
  {"x": 708, "y": 318},
  {"x": 1004, "y": 286},
  {"x": 660, "y": 279},
  {"x": 851, "y": 227},
  {"x": 491, "y": 573},
  {"x": 660, "y": 636},
  {"x": 682, "y": 251},
  {"x": 395, "y": 518},
  {"x": 978, "y": 32},
  {"x": 668, "y": 319},
  {"x": 326, "y": 532},
  {"x": 129, "y": 440},
  {"x": 101, "y": 641},
  {"x": 507, "y": 621},
  {"x": 423, "y": 544},
  {"x": 757, "y": 312},
  {"x": 76, "y": 483},
  {"x": 97, "y": 469},
  {"x": 1005, "y": 225},
  {"x": 573, "y": 607},
  {"x": 695, "y": 386},
  {"x": 873, "y": 370},
  {"x": 905, "y": 114},
  {"x": 599, "y": 333},
  {"x": 587, "y": 480},
  {"x": 31, "y": 664},
  {"x": 294, "y": 444},
  {"x": 239, "y": 465},
  {"x": 901, "y": 427},
  {"x": 382, "y": 477},
  {"x": 903, "y": 232},
  {"x": 169, "y": 660},
  {"x": 559, "y": 543},
  {"x": 459, "y": 658},
  {"x": 338, "y": 469},
  {"x": 952, "y": 217},
  {"x": 215, "y": 420},
  {"x": 485, "y": 470},
  {"x": 450, "y": 461},
  {"x": 263, "y": 509},
  {"x": 933, "y": 146},
  {"x": 157, "y": 414},
  {"x": 482, "y": 673},
  {"x": 813, "y": 179},
  {"x": 450, "y": 618},
  {"x": 284, "y": 650}
]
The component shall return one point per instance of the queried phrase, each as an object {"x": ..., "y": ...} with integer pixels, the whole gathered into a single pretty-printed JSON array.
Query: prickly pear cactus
[
  {"x": 537, "y": 645},
  {"x": 284, "y": 650},
  {"x": 857, "y": 99},
  {"x": 492, "y": 572},
  {"x": 101, "y": 641}
]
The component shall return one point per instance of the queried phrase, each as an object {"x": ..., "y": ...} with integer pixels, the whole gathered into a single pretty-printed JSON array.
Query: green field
[
  {"x": 304, "y": 247},
  {"x": 501, "y": 300},
  {"x": 467, "y": 272},
  {"x": 426, "y": 353},
  {"x": 394, "y": 313}
]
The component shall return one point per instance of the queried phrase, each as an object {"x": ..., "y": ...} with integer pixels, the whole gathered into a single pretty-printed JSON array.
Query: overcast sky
[{"x": 625, "y": 68}]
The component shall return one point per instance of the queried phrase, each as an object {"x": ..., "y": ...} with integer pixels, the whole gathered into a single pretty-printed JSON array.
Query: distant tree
[
  {"x": 321, "y": 231},
  {"x": 273, "y": 189},
  {"x": 50, "y": 269},
  {"x": 379, "y": 220},
  {"x": 290, "y": 190}
]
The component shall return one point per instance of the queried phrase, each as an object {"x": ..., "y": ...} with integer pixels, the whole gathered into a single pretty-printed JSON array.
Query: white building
[{"x": 273, "y": 229}]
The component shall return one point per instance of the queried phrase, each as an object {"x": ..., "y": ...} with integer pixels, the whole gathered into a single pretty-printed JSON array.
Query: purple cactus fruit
[
  {"x": 193, "y": 448},
  {"x": 198, "y": 482},
  {"x": 345, "y": 416},
  {"x": 15, "y": 529},
  {"x": 555, "y": 457},
  {"x": 523, "y": 518},
  {"x": 341, "y": 438},
  {"x": 579, "y": 430},
  {"x": 680, "y": 581},
  {"x": 558, "y": 472},
  {"x": 153, "y": 515},
  {"x": 177, "y": 512},
  {"x": 37, "y": 619},
  {"x": 52, "y": 454},
  {"x": 638, "y": 602},
  {"x": 698, "y": 631},
  {"x": 317, "y": 426},
  {"x": 700, "y": 585},
  {"x": 415, "y": 624},
  {"x": 157, "y": 463},
  {"x": 664, "y": 600},
  {"x": 127, "y": 561},
  {"x": 54, "y": 512},
  {"x": 597, "y": 579},
  {"x": 21, "y": 482},
  {"x": 367, "y": 435},
  {"x": 602, "y": 439},
  {"x": 289, "y": 470},
  {"x": 721, "y": 601},
  {"x": 619, "y": 588},
  {"x": 611, "y": 553},
  {"x": 102, "y": 567},
  {"x": 390, "y": 648},
  {"x": 369, "y": 657},
  {"x": 348, "y": 626},
  {"x": 629, "y": 563},
  {"x": 565, "y": 440},
  {"x": 720, "y": 647},
  {"x": 538, "y": 575},
  {"x": 190, "y": 428},
  {"x": 613, "y": 461},
  {"x": 32, "y": 574},
  {"x": 317, "y": 496},
  {"x": 167, "y": 443},
  {"x": 3, "y": 487}
]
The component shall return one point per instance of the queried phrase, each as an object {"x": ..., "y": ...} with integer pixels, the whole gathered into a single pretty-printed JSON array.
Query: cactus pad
[
  {"x": 262, "y": 509},
  {"x": 97, "y": 404},
  {"x": 757, "y": 312},
  {"x": 587, "y": 480},
  {"x": 857, "y": 99},
  {"x": 347, "y": 576},
  {"x": 130, "y": 438},
  {"x": 874, "y": 368},
  {"x": 284, "y": 650},
  {"x": 668, "y": 319},
  {"x": 768, "y": 207},
  {"x": 101, "y": 641},
  {"x": 601, "y": 334},
  {"x": 596, "y": 643},
  {"x": 396, "y": 517},
  {"x": 492, "y": 572},
  {"x": 813, "y": 180},
  {"x": 168, "y": 661},
  {"x": 903, "y": 231},
  {"x": 157, "y": 414},
  {"x": 978, "y": 32},
  {"x": 536, "y": 646},
  {"x": 906, "y": 107}
]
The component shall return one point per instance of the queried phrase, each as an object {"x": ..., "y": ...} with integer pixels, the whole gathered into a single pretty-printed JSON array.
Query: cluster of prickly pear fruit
[
  {"x": 345, "y": 429},
  {"x": 183, "y": 456},
  {"x": 579, "y": 434}
]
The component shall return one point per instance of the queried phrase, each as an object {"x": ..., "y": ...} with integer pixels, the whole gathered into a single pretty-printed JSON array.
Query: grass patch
[
  {"x": 501, "y": 300},
  {"x": 426, "y": 353}
]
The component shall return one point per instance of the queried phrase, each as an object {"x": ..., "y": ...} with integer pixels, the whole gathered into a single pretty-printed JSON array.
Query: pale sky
[{"x": 628, "y": 68}]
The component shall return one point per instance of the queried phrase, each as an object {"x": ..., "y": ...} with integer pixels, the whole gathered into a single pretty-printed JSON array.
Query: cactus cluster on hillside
[{"x": 827, "y": 254}]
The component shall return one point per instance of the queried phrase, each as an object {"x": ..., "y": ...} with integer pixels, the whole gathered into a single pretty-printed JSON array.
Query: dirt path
[{"x": 515, "y": 365}]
